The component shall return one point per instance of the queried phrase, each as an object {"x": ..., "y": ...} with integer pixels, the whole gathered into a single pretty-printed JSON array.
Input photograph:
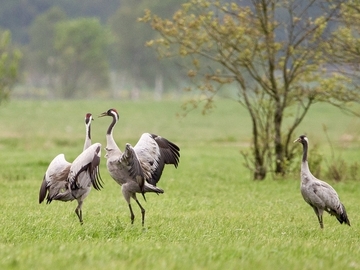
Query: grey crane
[
  {"x": 65, "y": 181},
  {"x": 139, "y": 168},
  {"x": 319, "y": 194}
]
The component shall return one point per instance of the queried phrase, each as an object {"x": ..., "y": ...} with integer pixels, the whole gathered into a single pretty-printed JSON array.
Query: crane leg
[
  {"x": 321, "y": 221},
  {"x": 78, "y": 212},
  {"x": 142, "y": 212},
  {"x": 132, "y": 216},
  {"x": 319, "y": 213}
]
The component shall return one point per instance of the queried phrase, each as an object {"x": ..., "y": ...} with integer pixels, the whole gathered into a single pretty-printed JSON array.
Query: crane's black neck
[
  {"x": 89, "y": 132},
  {"x": 111, "y": 126},
  {"x": 305, "y": 150}
]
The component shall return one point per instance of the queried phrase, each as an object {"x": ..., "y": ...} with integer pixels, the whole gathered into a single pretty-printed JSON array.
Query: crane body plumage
[
  {"x": 65, "y": 181},
  {"x": 318, "y": 194},
  {"x": 138, "y": 168}
]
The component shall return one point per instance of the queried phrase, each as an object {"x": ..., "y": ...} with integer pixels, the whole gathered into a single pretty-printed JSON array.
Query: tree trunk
[
  {"x": 260, "y": 168},
  {"x": 279, "y": 153},
  {"x": 260, "y": 173}
]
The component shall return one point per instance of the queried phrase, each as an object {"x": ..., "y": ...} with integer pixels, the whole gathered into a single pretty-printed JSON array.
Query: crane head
[
  {"x": 302, "y": 139},
  {"x": 88, "y": 118},
  {"x": 110, "y": 112}
]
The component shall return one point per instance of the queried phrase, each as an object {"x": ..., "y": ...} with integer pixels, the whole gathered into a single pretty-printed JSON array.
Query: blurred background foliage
[
  {"x": 88, "y": 48},
  {"x": 107, "y": 56}
]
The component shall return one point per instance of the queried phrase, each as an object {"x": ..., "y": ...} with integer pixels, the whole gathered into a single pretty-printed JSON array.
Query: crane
[
  {"x": 138, "y": 168},
  {"x": 65, "y": 181},
  {"x": 319, "y": 194}
]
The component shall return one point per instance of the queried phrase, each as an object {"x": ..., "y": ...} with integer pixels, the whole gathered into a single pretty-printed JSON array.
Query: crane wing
[
  {"x": 321, "y": 194},
  {"x": 168, "y": 150},
  {"x": 328, "y": 194},
  {"x": 153, "y": 153},
  {"x": 84, "y": 170},
  {"x": 55, "y": 178},
  {"x": 132, "y": 162}
]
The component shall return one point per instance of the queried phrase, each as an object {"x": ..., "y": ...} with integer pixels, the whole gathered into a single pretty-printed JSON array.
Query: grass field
[{"x": 211, "y": 216}]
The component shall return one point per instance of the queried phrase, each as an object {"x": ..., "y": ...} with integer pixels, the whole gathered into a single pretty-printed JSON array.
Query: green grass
[{"x": 211, "y": 216}]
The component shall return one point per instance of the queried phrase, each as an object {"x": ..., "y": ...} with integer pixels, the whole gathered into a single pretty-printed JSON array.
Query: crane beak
[
  {"x": 103, "y": 114},
  {"x": 297, "y": 140}
]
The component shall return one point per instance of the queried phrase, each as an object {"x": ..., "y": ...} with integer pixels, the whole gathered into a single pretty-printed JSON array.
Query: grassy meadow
[{"x": 211, "y": 216}]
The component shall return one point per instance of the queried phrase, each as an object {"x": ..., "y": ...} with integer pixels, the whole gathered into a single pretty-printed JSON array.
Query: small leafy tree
[
  {"x": 271, "y": 51},
  {"x": 41, "y": 62},
  {"x": 9, "y": 62},
  {"x": 137, "y": 64},
  {"x": 81, "y": 55},
  {"x": 42, "y": 35}
]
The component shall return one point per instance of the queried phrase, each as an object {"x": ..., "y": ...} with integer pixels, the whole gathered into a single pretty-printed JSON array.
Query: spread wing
[
  {"x": 153, "y": 152},
  {"x": 84, "y": 170},
  {"x": 55, "y": 178}
]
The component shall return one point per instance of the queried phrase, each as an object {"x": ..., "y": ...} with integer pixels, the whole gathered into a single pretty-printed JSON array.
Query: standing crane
[
  {"x": 319, "y": 194},
  {"x": 65, "y": 181},
  {"x": 139, "y": 168}
]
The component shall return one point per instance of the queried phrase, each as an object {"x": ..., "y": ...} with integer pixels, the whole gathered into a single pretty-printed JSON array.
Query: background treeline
[
  {"x": 87, "y": 48},
  {"x": 18, "y": 15},
  {"x": 93, "y": 48}
]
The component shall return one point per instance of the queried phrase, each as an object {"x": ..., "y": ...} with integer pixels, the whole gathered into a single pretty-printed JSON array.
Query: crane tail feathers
[
  {"x": 43, "y": 190},
  {"x": 150, "y": 188},
  {"x": 343, "y": 218},
  {"x": 64, "y": 196}
]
